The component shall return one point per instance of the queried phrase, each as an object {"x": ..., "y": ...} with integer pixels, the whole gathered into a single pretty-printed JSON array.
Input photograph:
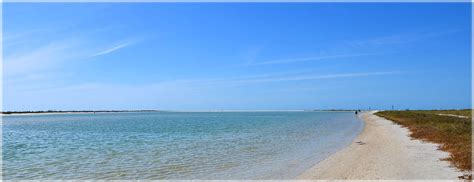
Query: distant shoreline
[{"x": 28, "y": 113}]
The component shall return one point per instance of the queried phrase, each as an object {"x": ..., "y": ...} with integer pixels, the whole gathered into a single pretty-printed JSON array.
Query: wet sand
[{"x": 384, "y": 150}]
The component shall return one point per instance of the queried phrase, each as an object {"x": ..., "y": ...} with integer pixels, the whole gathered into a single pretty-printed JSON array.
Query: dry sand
[
  {"x": 384, "y": 151},
  {"x": 452, "y": 115}
]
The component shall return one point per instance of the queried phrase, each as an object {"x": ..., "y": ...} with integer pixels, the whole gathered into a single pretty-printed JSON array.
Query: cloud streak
[
  {"x": 307, "y": 59},
  {"x": 225, "y": 82},
  {"x": 275, "y": 78},
  {"x": 39, "y": 59},
  {"x": 113, "y": 49},
  {"x": 49, "y": 57},
  {"x": 396, "y": 39},
  {"x": 313, "y": 77},
  {"x": 400, "y": 38}
]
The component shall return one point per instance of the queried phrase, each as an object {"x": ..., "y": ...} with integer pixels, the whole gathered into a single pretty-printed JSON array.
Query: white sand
[
  {"x": 452, "y": 115},
  {"x": 387, "y": 152}
]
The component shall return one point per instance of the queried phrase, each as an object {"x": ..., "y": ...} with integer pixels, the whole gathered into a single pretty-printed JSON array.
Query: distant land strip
[
  {"x": 75, "y": 111},
  {"x": 154, "y": 110}
]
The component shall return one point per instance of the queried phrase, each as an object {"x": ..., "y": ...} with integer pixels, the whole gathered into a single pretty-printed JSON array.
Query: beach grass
[
  {"x": 451, "y": 132},
  {"x": 463, "y": 112}
]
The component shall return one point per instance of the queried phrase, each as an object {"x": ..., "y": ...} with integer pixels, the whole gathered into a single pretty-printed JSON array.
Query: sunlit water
[{"x": 172, "y": 145}]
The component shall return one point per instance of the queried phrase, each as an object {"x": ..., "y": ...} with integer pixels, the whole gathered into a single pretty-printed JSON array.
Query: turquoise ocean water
[{"x": 172, "y": 145}]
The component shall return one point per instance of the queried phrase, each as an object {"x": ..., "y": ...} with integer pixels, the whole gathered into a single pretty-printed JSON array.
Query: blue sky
[{"x": 178, "y": 56}]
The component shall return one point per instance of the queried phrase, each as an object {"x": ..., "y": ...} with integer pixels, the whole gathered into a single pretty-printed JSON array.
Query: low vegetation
[{"x": 451, "y": 132}]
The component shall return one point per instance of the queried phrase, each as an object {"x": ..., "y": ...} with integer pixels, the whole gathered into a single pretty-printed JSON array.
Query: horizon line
[{"x": 215, "y": 110}]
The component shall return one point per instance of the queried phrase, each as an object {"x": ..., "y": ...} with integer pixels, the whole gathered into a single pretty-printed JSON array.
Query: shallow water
[{"x": 172, "y": 145}]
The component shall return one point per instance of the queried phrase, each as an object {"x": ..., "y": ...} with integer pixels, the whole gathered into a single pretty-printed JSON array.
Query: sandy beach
[{"x": 384, "y": 150}]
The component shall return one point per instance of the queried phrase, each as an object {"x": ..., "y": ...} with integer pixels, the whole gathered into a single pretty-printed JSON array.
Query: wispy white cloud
[
  {"x": 226, "y": 82},
  {"x": 114, "y": 48},
  {"x": 194, "y": 84},
  {"x": 16, "y": 38},
  {"x": 48, "y": 54},
  {"x": 353, "y": 46},
  {"x": 307, "y": 59},
  {"x": 312, "y": 77},
  {"x": 38, "y": 59},
  {"x": 45, "y": 60},
  {"x": 397, "y": 39}
]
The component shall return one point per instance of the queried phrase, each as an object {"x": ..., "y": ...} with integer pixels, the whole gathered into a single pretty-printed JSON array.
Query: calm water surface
[{"x": 172, "y": 145}]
